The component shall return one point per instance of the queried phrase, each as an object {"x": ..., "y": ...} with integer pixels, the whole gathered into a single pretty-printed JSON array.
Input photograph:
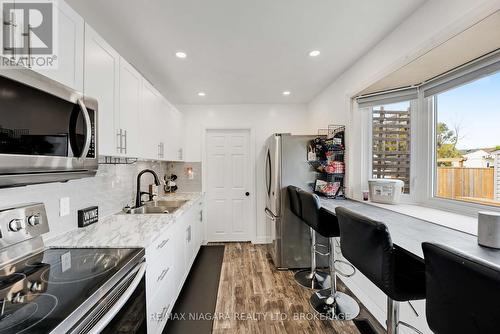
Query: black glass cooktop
[{"x": 39, "y": 292}]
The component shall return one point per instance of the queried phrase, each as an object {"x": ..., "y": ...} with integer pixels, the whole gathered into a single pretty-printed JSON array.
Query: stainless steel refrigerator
[{"x": 286, "y": 164}]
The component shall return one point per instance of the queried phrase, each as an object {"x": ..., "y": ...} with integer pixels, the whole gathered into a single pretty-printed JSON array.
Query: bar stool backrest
[
  {"x": 367, "y": 245},
  {"x": 320, "y": 220},
  {"x": 463, "y": 294},
  {"x": 310, "y": 208},
  {"x": 294, "y": 200}
]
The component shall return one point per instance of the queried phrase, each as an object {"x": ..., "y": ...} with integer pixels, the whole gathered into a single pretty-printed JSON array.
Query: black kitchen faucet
[{"x": 139, "y": 193}]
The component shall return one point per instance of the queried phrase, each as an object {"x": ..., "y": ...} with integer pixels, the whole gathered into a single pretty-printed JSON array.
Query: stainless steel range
[{"x": 65, "y": 290}]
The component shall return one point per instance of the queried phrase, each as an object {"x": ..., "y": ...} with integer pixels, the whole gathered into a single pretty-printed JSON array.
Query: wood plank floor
[{"x": 254, "y": 297}]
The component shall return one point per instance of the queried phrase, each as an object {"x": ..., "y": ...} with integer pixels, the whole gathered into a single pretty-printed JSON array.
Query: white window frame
[
  {"x": 428, "y": 163},
  {"x": 368, "y": 153},
  {"x": 423, "y": 138}
]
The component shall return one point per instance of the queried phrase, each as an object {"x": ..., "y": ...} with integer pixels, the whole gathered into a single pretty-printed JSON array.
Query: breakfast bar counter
[{"x": 409, "y": 232}]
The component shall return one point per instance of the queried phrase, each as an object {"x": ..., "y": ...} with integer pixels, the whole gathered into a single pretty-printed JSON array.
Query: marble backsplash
[
  {"x": 111, "y": 189},
  {"x": 184, "y": 183}
]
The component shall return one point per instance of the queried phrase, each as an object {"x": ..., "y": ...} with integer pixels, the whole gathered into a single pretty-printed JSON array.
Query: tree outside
[{"x": 446, "y": 143}]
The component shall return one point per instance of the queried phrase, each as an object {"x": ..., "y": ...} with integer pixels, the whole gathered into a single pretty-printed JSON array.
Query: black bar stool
[
  {"x": 333, "y": 304},
  {"x": 368, "y": 246},
  {"x": 309, "y": 278},
  {"x": 463, "y": 293}
]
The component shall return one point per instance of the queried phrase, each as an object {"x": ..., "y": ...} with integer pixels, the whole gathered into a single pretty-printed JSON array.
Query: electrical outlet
[{"x": 64, "y": 206}]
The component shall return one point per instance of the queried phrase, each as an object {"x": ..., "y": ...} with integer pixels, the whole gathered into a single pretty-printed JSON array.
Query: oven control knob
[
  {"x": 34, "y": 220},
  {"x": 35, "y": 286},
  {"x": 16, "y": 225},
  {"x": 17, "y": 298}
]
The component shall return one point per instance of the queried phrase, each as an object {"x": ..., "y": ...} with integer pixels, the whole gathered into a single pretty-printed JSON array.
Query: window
[
  {"x": 391, "y": 142},
  {"x": 440, "y": 137},
  {"x": 467, "y": 141}
]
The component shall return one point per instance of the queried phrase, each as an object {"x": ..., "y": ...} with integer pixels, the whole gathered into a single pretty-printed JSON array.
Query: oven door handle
[
  {"x": 88, "y": 127},
  {"x": 110, "y": 314}
]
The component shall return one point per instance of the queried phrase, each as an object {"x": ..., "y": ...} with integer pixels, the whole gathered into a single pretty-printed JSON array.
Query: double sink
[{"x": 159, "y": 207}]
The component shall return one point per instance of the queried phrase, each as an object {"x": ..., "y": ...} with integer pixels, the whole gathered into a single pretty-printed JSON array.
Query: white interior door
[{"x": 228, "y": 176}]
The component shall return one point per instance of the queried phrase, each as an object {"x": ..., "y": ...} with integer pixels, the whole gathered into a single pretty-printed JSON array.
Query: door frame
[{"x": 253, "y": 208}]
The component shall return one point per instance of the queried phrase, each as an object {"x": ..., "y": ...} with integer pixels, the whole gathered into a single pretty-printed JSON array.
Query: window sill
[{"x": 444, "y": 218}]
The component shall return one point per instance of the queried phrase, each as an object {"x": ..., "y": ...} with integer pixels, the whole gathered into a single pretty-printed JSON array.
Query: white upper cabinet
[
  {"x": 150, "y": 122},
  {"x": 174, "y": 134},
  {"x": 130, "y": 103},
  {"x": 69, "y": 32},
  {"x": 102, "y": 67},
  {"x": 135, "y": 120}
]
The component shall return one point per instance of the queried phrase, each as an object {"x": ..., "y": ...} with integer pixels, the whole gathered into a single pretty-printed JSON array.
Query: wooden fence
[
  {"x": 474, "y": 184},
  {"x": 391, "y": 145}
]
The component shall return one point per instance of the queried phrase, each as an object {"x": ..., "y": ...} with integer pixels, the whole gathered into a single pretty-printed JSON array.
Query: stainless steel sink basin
[
  {"x": 166, "y": 203},
  {"x": 148, "y": 209},
  {"x": 158, "y": 207}
]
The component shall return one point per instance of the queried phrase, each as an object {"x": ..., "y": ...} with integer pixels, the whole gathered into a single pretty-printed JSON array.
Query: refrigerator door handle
[
  {"x": 270, "y": 215},
  {"x": 268, "y": 173}
]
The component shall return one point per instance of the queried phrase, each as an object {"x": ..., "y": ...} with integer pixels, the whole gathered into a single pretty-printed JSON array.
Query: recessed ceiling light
[
  {"x": 286, "y": 92},
  {"x": 181, "y": 54},
  {"x": 202, "y": 94},
  {"x": 314, "y": 53}
]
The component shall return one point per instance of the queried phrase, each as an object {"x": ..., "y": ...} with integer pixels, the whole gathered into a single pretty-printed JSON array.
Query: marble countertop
[
  {"x": 125, "y": 230},
  {"x": 409, "y": 232}
]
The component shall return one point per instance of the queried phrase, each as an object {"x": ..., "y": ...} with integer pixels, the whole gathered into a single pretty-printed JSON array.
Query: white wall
[
  {"x": 263, "y": 119},
  {"x": 430, "y": 25}
]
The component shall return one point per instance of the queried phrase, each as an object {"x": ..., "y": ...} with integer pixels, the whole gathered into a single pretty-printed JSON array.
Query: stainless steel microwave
[{"x": 48, "y": 132}]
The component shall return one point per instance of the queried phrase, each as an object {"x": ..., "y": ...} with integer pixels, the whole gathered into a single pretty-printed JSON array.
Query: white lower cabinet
[
  {"x": 159, "y": 282},
  {"x": 169, "y": 259}
]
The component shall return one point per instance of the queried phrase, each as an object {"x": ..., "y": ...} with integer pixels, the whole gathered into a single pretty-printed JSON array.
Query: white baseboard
[{"x": 261, "y": 240}]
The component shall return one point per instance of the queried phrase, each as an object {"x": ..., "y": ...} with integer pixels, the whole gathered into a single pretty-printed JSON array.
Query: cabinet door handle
[
  {"x": 163, "y": 243},
  {"x": 119, "y": 140},
  {"x": 12, "y": 24},
  {"x": 163, "y": 313},
  {"x": 125, "y": 141},
  {"x": 28, "y": 35},
  {"x": 163, "y": 274},
  {"x": 160, "y": 316}
]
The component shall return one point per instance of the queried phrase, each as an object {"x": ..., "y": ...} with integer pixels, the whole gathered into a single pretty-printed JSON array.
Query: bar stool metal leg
[
  {"x": 392, "y": 316},
  {"x": 393, "y": 322},
  {"x": 313, "y": 279},
  {"x": 331, "y": 303}
]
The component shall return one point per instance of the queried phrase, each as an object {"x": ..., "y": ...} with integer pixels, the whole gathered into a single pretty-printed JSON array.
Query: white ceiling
[{"x": 241, "y": 51}]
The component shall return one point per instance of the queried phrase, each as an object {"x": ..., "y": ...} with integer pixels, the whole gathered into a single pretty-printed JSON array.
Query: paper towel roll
[{"x": 488, "y": 233}]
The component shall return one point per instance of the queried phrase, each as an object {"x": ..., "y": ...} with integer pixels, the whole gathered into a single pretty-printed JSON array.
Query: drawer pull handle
[
  {"x": 163, "y": 274},
  {"x": 159, "y": 317},
  {"x": 163, "y": 243}
]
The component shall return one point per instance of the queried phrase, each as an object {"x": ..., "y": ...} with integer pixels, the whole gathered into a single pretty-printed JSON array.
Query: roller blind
[
  {"x": 400, "y": 95},
  {"x": 467, "y": 73}
]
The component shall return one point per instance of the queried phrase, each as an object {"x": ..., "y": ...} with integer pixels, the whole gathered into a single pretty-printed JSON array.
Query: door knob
[{"x": 247, "y": 194}]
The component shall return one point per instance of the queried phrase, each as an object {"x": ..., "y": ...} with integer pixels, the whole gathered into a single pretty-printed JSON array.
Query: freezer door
[
  {"x": 274, "y": 247},
  {"x": 273, "y": 174}
]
